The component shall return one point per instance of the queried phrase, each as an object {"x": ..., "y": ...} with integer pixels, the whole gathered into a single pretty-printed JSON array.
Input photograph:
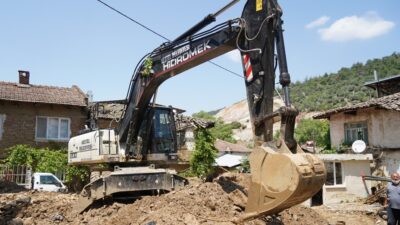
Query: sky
[{"x": 84, "y": 43}]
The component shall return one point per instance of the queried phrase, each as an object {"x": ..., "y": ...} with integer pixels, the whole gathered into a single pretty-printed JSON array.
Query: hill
[{"x": 344, "y": 87}]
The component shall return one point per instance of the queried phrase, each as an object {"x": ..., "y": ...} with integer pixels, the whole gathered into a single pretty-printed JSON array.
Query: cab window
[{"x": 45, "y": 179}]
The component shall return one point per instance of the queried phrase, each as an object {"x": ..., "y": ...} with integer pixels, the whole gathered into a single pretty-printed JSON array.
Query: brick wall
[
  {"x": 103, "y": 123},
  {"x": 20, "y": 123}
]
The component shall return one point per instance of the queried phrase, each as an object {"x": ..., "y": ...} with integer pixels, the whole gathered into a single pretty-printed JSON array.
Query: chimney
[{"x": 23, "y": 77}]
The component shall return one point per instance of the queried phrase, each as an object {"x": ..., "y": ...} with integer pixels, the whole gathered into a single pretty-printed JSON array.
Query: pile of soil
[
  {"x": 32, "y": 207},
  {"x": 219, "y": 202}
]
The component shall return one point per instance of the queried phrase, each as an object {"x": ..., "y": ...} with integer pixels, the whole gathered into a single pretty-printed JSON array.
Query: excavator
[{"x": 143, "y": 146}]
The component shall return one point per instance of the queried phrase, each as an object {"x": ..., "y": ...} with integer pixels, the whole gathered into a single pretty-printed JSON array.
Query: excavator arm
[
  {"x": 255, "y": 34},
  {"x": 168, "y": 61}
]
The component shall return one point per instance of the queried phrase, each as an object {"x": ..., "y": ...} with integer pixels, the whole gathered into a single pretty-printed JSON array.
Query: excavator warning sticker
[
  {"x": 248, "y": 68},
  {"x": 259, "y": 5}
]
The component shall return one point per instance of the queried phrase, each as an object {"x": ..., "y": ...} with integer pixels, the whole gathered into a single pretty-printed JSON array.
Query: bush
[
  {"x": 245, "y": 165},
  {"x": 46, "y": 160},
  {"x": 203, "y": 157}
]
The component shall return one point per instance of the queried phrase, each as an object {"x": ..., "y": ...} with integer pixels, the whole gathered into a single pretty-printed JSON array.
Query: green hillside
[{"x": 344, "y": 87}]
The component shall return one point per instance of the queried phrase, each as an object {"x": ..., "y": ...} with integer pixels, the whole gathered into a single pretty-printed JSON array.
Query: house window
[
  {"x": 334, "y": 175},
  {"x": 355, "y": 131},
  {"x": 2, "y": 118},
  {"x": 52, "y": 128}
]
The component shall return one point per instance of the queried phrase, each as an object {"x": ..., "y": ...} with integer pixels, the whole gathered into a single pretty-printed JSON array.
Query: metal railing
[{"x": 21, "y": 175}]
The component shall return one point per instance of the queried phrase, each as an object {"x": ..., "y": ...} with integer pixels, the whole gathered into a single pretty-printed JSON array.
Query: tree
[
  {"x": 204, "y": 115},
  {"x": 203, "y": 157},
  {"x": 221, "y": 130},
  {"x": 315, "y": 130}
]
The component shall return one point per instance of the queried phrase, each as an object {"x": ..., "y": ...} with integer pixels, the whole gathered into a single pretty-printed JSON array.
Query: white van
[{"x": 47, "y": 182}]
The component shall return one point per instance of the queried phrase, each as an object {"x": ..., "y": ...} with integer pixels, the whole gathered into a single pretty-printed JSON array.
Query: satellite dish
[{"x": 358, "y": 146}]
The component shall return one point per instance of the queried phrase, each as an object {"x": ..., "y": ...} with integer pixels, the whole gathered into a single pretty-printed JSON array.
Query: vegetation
[
  {"x": 46, "y": 160},
  {"x": 245, "y": 165},
  {"x": 204, "y": 115},
  {"x": 221, "y": 130},
  {"x": 313, "y": 130},
  {"x": 344, "y": 87},
  {"x": 203, "y": 157},
  {"x": 147, "y": 66}
]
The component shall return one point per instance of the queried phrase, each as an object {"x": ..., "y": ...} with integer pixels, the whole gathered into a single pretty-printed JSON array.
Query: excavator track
[{"x": 128, "y": 181}]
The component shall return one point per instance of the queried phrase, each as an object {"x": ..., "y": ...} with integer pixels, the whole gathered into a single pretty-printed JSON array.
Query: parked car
[{"x": 47, "y": 182}]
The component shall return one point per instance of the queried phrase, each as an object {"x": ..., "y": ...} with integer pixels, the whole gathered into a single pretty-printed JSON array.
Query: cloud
[
  {"x": 318, "y": 22},
  {"x": 351, "y": 28},
  {"x": 234, "y": 56}
]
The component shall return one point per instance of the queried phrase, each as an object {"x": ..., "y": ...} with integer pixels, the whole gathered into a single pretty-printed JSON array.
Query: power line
[
  {"x": 163, "y": 37},
  {"x": 135, "y": 21},
  {"x": 227, "y": 70}
]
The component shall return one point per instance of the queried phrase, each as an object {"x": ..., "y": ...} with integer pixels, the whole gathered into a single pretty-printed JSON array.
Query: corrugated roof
[
  {"x": 42, "y": 94},
  {"x": 229, "y": 160},
  {"x": 390, "y": 102}
]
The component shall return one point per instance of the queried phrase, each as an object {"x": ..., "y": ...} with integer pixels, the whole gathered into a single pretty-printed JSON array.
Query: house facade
[
  {"x": 376, "y": 122},
  {"x": 40, "y": 116},
  {"x": 344, "y": 177}
]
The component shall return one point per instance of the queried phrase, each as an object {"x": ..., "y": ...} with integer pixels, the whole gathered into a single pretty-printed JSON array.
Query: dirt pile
[
  {"x": 32, "y": 207},
  {"x": 351, "y": 213},
  {"x": 9, "y": 187},
  {"x": 219, "y": 202}
]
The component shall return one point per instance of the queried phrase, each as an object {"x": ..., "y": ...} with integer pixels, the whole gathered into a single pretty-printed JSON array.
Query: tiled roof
[
  {"x": 224, "y": 146},
  {"x": 390, "y": 102},
  {"x": 42, "y": 94}
]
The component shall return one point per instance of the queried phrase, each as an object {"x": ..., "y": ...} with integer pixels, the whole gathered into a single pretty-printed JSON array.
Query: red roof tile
[
  {"x": 42, "y": 94},
  {"x": 389, "y": 102}
]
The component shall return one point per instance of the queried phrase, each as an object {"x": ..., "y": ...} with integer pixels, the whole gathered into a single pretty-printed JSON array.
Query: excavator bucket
[{"x": 281, "y": 180}]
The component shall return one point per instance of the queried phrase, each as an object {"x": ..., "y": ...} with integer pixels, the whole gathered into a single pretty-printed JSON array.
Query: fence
[{"x": 21, "y": 175}]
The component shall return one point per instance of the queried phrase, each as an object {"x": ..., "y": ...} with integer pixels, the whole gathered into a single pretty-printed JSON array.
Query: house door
[{"x": 317, "y": 199}]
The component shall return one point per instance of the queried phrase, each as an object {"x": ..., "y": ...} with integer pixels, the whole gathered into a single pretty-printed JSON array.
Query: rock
[
  {"x": 24, "y": 200},
  {"x": 29, "y": 221},
  {"x": 57, "y": 217},
  {"x": 190, "y": 219},
  {"x": 13, "y": 203},
  {"x": 16, "y": 221}
]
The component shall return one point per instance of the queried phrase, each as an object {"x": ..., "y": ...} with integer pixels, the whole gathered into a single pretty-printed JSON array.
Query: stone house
[
  {"x": 106, "y": 114},
  {"x": 41, "y": 116},
  {"x": 376, "y": 122}
]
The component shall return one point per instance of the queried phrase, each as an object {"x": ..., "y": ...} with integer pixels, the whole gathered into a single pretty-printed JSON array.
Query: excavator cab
[{"x": 157, "y": 135}]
